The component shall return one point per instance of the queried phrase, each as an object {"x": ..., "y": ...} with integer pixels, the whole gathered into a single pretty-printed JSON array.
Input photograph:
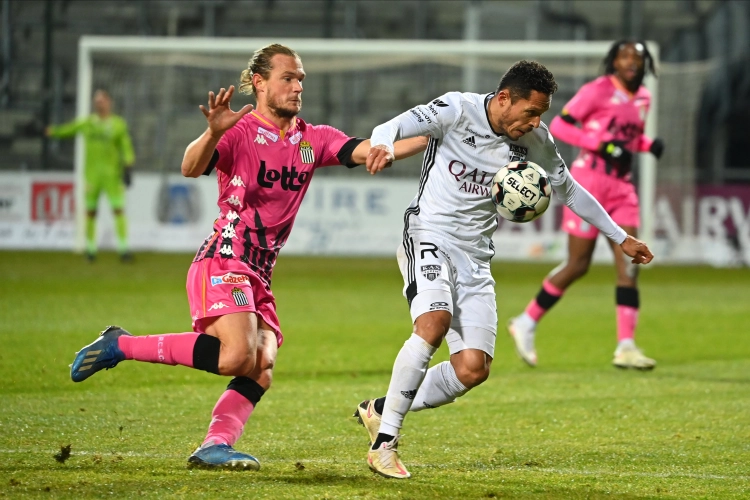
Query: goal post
[{"x": 425, "y": 69}]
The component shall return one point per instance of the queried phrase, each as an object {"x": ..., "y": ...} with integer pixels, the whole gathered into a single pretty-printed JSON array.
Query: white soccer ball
[{"x": 521, "y": 191}]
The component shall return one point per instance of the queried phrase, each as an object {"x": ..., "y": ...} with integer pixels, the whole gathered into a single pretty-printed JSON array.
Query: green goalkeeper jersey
[{"x": 108, "y": 145}]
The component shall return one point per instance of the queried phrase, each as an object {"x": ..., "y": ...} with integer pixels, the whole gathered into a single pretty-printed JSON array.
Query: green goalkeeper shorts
[{"x": 112, "y": 186}]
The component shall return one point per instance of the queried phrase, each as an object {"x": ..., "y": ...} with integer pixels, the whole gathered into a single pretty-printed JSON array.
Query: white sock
[
  {"x": 440, "y": 387},
  {"x": 525, "y": 321},
  {"x": 408, "y": 372},
  {"x": 625, "y": 344}
]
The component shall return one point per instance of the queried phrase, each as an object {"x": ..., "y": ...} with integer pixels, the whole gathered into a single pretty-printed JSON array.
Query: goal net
[{"x": 354, "y": 85}]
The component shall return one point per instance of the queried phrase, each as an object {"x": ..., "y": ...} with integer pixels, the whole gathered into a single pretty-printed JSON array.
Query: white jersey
[{"x": 462, "y": 157}]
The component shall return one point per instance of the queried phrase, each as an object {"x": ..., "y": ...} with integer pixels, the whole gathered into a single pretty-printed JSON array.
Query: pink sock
[
  {"x": 534, "y": 309},
  {"x": 627, "y": 319},
  {"x": 173, "y": 349},
  {"x": 228, "y": 418}
]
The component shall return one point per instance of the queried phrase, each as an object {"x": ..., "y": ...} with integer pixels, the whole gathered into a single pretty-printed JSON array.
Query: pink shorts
[
  {"x": 617, "y": 196},
  {"x": 219, "y": 286}
]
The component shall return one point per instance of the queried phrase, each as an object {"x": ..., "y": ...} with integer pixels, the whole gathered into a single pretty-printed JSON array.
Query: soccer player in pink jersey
[
  {"x": 264, "y": 159},
  {"x": 612, "y": 111}
]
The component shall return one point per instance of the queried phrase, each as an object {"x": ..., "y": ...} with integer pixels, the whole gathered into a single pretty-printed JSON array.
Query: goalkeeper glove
[
  {"x": 657, "y": 148},
  {"x": 614, "y": 152},
  {"x": 127, "y": 176}
]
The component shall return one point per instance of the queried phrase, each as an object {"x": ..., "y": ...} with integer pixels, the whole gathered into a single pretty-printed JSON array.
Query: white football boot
[
  {"x": 523, "y": 337},
  {"x": 629, "y": 356}
]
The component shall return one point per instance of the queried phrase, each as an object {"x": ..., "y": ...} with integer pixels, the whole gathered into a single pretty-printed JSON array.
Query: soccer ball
[{"x": 521, "y": 191}]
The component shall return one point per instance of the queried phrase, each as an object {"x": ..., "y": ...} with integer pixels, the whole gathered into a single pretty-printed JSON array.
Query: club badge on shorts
[
  {"x": 431, "y": 271},
  {"x": 239, "y": 296},
  {"x": 306, "y": 152}
]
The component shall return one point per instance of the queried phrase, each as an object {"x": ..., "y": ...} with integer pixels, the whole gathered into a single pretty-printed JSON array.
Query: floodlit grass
[{"x": 572, "y": 428}]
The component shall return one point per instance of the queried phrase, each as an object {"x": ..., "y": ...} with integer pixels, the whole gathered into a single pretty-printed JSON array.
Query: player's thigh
[
  {"x": 591, "y": 181},
  {"x": 428, "y": 272},
  {"x": 115, "y": 191},
  {"x": 622, "y": 203},
  {"x": 92, "y": 192},
  {"x": 238, "y": 333},
  {"x": 474, "y": 324}
]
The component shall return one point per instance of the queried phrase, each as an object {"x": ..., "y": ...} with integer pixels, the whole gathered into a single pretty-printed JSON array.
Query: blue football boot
[
  {"x": 101, "y": 353},
  {"x": 222, "y": 456}
]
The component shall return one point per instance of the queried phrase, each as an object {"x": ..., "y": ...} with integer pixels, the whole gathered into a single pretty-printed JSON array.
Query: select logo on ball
[{"x": 521, "y": 191}]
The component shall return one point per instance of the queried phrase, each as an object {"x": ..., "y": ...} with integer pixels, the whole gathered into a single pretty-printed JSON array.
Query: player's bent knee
[
  {"x": 236, "y": 364},
  {"x": 579, "y": 267},
  {"x": 472, "y": 376}
]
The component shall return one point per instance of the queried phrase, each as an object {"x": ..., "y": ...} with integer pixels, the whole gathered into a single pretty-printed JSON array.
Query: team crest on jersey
[
  {"x": 269, "y": 135},
  {"x": 431, "y": 271},
  {"x": 517, "y": 153},
  {"x": 239, "y": 297},
  {"x": 306, "y": 152}
]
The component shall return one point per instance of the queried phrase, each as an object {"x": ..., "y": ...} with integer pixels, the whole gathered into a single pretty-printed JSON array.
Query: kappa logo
[
  {"x": 409, "y": 394},
  {"x": 260, "y": 140},
  {"x": 229, "y": 279},
  {"x": 226, "y": 250},
  {"x": 237, "y": 181},
  {"x": 234, "y": 200},
  {"x": 431, "y": 271},
  {"x": 239, "y": 297},
  {"x": 439, "y": 103},
  {"x": 229, "y": 231},
  {"x": 218, "y": 305},
  {"x": 470, "y": 141},
  {"x": 231, "y": 215}
]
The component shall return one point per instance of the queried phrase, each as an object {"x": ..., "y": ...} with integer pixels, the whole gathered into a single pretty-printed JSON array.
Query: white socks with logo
[
  {"x": 440, "y": 387},
  {"x": 408, "y": 372}
]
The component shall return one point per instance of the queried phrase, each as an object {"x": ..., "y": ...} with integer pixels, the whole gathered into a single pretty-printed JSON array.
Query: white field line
[{"x": 562, "y": 472}]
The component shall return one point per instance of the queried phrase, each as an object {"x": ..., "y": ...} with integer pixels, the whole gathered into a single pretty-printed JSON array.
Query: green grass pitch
[{"x": 574, "y": 427}]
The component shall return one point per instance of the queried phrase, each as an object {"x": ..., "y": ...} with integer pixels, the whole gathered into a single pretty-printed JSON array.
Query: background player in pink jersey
[
  {"x": 612, "y": 111},
  {"x": 264, "y": 160}
]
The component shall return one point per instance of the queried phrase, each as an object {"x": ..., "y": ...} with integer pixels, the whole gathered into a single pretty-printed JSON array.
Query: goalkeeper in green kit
[{"x": 109, "y": 156}]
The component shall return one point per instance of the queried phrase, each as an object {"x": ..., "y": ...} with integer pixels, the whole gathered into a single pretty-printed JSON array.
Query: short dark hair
[
  {"x": 525, "y": 76},
  {"x": 609, "y": 59}
]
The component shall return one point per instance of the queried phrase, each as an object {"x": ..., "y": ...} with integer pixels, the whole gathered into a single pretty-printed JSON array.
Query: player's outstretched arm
[
  {"x": 402, "y": 149},
  {"x": 637, "y": 250},
  {"x": 220, "y": 118}
]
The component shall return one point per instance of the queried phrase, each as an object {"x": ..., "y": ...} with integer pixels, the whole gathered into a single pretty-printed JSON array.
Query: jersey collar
[
  {"x": 487, "y": 100},
  {"x": 254, "y": 114}
]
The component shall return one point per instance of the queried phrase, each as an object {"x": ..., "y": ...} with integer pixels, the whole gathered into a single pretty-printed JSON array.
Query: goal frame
[{"x": 88, "y": 46}]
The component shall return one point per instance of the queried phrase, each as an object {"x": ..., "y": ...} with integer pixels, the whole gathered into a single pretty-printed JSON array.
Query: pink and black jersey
[
  {"x": 607, "y": 112},
  {"x": 263, "y": 175}
]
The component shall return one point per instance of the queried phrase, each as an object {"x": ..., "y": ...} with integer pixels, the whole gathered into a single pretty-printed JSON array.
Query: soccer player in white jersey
[{"x": 447, "y": 241}]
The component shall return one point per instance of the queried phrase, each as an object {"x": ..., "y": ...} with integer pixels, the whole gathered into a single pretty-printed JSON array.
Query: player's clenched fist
[
  {"x": 637, "y": 250},
  {"x": 380, "y": 157}
]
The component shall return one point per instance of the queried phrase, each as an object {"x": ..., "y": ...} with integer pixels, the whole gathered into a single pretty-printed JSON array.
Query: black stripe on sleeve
[
  {"x": 212, "y": 163},
  {"x": 568, "y": 119},
  {"x": 345, "y": 153}
]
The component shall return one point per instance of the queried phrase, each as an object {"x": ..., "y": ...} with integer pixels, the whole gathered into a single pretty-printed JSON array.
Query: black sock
[
  {"x": 379, "y": 404},
  {"x": 382, "y": 438}
]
